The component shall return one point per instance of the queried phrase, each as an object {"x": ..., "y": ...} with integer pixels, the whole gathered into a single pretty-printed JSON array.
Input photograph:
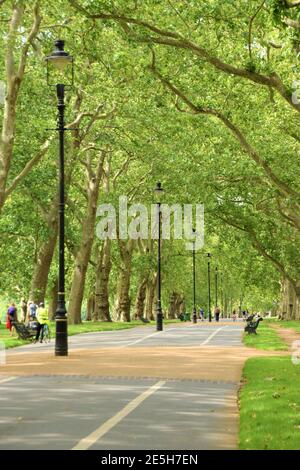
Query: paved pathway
[{"x": 128, "y": 389}]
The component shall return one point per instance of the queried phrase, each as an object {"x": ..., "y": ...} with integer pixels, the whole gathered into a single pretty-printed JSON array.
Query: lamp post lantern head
[
  {"x": 60, "y": 60},
  {"x": 158, "y": 189}
]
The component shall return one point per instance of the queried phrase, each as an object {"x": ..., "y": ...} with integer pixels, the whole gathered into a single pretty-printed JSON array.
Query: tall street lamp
[
  {"x": 216, "y": 285},
  {"x": 159, "y": 315},
  {"x": 208, "y": 285},
  {"x": 59, "y": 62},
  {"x": 194, "y": 281}
]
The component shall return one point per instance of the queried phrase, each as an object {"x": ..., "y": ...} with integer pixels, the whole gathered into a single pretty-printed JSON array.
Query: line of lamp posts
[
  {"x": 159, "y": 313},
  {"x": 61, "y": 62}
]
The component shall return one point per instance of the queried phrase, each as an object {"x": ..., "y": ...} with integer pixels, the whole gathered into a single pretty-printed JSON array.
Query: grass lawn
[
  {"x": 267, "y": 339},
  {"x": 270, "y": 404},
  {"x": 85, "y": 327},
  {"x": 294, "y": 324},
  {"x": 10, "y": 342}
]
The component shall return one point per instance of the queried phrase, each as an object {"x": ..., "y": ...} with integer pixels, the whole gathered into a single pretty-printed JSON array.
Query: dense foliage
[{"x": 199, "y": 95}]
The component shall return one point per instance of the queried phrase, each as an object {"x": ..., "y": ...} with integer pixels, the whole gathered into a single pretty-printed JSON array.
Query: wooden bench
[{"x": 252, "y": 326}]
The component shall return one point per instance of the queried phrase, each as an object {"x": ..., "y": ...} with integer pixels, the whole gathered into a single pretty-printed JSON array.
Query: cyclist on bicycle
[{"x": 43, "y": 319}]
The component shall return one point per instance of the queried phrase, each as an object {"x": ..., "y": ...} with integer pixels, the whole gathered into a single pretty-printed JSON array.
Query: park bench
[
  {"x": 185, "y": 317},
  {"x": 252, "y": 325},
  {"x": 23, "y": 331}
]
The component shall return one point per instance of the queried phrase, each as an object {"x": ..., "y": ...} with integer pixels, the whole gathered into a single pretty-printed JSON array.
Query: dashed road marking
[{"x": 88, "y": 441}]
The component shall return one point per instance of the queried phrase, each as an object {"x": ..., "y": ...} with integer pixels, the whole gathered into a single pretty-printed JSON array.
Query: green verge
[
  {"x": 85, "y": 327},
  {"x": 267, "y": 339},
  {"x": 270, "y": 405},
  {"x": 293, "y": 324}
]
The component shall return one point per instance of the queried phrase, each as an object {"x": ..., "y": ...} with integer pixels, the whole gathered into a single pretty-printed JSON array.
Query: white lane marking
[
  {"x": 152, "y": 334},
  {"x": 212, "y": 335},
  {"x": 88, "y": 441},
  {"x": 146, "y": 337},
  {"x": 7, "y": 379},
  {"x": 141, "y": 339}
]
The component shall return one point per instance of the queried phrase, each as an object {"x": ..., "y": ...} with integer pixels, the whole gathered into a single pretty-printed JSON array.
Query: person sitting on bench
[{"x": 33, "y": 324}]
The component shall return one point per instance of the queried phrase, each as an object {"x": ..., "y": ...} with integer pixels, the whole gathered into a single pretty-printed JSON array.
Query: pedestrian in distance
[
  {"x": 201, "y": 314},
  {"x": 234, "y": 315},
  {"x": 32, "y": 309},
  {"x": 43, "y": 319},
  {"x": 217, "y": 312},
  {"x": 11, "y": 317}
]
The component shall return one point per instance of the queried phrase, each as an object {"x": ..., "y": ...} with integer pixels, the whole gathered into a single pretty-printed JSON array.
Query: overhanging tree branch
[
  {"x": 284, "y": 188},
  {"x": 175, "y": 39},
  {"x": 29, "y": 165},
  {"x": 260, "y": 248}
]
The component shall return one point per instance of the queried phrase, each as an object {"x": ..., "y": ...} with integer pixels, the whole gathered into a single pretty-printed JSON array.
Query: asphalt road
[
  {"x": 63, "y": 412},
  {"x": 180, "y": 335}
]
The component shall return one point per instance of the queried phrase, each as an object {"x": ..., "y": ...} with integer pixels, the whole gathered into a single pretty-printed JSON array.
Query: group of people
[
  {"x": 217, "y": 313},
  {"x": 33, "y": 316}
]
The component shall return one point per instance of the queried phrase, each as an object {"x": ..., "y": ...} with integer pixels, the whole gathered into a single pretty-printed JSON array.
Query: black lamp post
[
  {"x": 159, "y": 315},
  {"x": 194, "y": 282},
  {"x": 61, "y": 61},
  {"x": 208, "y": 285},
  {"x": 216, "y": 285}
]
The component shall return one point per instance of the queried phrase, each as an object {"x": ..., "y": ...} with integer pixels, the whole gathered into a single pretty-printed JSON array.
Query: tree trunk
[
  {"x": 150, "y": 295},
  {"x": 290, "y": 302},
  {"x": 84, "y": 252},
  {"x": 176, "y": 305},
  {"x": 40, "y": 275},
  {"x": 140, "y": 299},
  {"x": 15, "y": 63},
  {"x": 53, "y": 300},
  {"x": 123, "y": 285},
  {"x": 101, "y": 312},
  {"x": 90, "y": 307},
  {"x": 123, "y": 297}
]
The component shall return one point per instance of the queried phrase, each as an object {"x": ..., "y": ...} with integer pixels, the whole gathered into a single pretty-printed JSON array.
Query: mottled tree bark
[
  {"x": 15, "y": 63},
  {"x": 150, "y": 298},
  {"x": 41, "y": 270},
  {"x": 53, "y": 300},
  {"x": 140, "y": 298},
  {"x": 84, "y": 251},
  {"x": 90, "y": 307},
  {"x": 103, "y": 267},
  {"x": 123, "y": 285},
  {"x": 289, "y": 308},
  {"x": 176, "y": 305}
]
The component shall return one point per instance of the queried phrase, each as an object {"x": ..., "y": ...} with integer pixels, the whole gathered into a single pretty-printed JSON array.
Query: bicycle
[{"x": 47, "y": 334}]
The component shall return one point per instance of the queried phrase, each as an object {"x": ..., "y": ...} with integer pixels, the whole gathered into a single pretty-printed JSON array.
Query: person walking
[
  {"x": 11, "y": 317},
  {"x": 234, "y": 315},
  {"x": 217, "y": 312},
  {"x": 43, "y": 318},
  {"x": 201, "y": 314},
  {"x": 32, "y": 309}
]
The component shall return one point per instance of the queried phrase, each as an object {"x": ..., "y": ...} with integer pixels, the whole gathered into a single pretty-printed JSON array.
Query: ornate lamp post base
[
  {"x": 194, "y": 315},
  {"x": 159, "y": 319}
]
